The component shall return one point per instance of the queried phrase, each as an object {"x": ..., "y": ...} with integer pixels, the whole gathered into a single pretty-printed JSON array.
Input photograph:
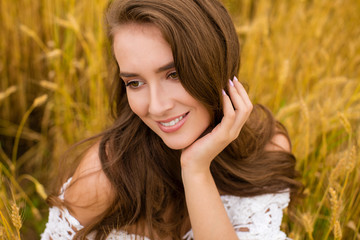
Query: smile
[{"x": 173, "y": 124}]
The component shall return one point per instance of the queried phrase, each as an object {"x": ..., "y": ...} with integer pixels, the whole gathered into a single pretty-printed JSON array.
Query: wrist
[{"x": 196, "y": 174}]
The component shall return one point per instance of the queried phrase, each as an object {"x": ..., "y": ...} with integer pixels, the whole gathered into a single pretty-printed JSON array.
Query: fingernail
[
  {"x": 223, "y": 92},
  {"x": 231, "y": 83},
  {"x": 235, "y": 79}
]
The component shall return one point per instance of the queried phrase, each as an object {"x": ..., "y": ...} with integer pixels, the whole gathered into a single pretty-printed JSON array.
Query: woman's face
[{"x": 153, "y": 87}]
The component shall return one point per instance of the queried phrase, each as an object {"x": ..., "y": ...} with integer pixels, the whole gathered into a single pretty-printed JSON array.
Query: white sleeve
[
  {"x": 61, "y": 225},
  {"x": 256, "y": 217}
]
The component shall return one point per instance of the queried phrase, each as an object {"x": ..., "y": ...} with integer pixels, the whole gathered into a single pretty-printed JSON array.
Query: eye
[
  {"x": 174, "y": 75},
  {"x": 134, "y": 84}
]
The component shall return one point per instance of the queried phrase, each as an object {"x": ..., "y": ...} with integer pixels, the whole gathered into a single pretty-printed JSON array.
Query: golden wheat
[{"x": 15, "y": 217}]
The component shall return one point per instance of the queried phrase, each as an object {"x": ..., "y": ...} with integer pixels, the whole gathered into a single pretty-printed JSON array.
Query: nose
[{"x": 160, "y": 100}]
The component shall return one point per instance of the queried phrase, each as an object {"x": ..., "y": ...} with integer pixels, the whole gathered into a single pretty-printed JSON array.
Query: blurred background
[{"x": 301, "y": 58}]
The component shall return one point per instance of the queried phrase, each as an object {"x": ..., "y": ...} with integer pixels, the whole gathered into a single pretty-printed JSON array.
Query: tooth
[{"x": 173, "y": 122}]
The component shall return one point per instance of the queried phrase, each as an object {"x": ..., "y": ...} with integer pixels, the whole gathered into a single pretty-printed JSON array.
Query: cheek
[
  {"x": 203, "y": 116},
  {"x": 206, "y": 116},
  {"x": 137, "y": 105}
]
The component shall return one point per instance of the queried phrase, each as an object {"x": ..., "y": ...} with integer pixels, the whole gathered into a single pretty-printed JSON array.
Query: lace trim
[
  {"x": 256, "y": 217},
  {"x": 61, "y": 225},
  {"x": 253, "y": 218}
]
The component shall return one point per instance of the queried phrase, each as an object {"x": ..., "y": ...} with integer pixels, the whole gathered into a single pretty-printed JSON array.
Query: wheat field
[{"x": 301, "y": 58}]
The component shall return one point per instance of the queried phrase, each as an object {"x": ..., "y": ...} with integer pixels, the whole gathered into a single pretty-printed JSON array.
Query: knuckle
[
  {"x": 251, "y": 106},
  {"x": 231, "y": 116},
  {"x": 249, "y": 109}
]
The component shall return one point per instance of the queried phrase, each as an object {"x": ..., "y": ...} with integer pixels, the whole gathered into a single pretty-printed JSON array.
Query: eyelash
[
  {"x": 175, "y": 78},
  {"x": 170, "y": 75},
  {"x": 128, "y": 84}
]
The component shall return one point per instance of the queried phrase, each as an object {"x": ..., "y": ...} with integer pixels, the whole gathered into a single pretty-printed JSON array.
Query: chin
[{"x": 177, "y": 145}]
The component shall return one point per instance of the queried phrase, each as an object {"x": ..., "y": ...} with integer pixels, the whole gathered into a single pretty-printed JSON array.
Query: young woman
[{"x": 188, "y": 156}]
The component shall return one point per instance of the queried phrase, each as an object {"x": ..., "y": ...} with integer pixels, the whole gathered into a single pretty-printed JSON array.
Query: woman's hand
[
  {"x": 197, "y": 157},
  {"x": 208, "y": 216}
]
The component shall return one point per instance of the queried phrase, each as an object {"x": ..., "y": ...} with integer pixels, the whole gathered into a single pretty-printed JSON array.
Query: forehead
[
  {"x": 136, "y": 27},
  {"x": 136, "y": 44},
  {"x": 131, "y": 34}
]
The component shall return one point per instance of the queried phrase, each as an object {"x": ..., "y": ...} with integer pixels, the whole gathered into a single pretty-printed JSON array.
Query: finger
[
  {"x": 236, "y": 98},
  {"x": 241, "y": 102},
  {"x": 229, "y": 112},
  {"x": 246, "y": 103},
  {"x": 242, "y": 92},
  {"x": 233, "y": 120}
]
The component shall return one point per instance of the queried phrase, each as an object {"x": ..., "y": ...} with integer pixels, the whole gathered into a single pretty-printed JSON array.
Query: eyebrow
[{"x": 159, "y": 70}]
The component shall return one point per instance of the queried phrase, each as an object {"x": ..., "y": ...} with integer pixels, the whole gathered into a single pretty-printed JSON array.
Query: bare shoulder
[
  {"x": 90, "y": 192},
  {"x": 278, "y": 143}
]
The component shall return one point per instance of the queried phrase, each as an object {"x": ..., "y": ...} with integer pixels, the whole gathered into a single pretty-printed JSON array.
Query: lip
[{"x": 177, "y": 126}]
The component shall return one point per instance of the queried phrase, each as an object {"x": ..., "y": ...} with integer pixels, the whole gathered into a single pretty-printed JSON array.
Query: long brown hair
[{"x": 145, "y": 173}]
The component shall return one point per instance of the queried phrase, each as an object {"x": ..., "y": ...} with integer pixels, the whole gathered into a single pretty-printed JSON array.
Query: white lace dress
[{"x": 252, "y": 217}]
